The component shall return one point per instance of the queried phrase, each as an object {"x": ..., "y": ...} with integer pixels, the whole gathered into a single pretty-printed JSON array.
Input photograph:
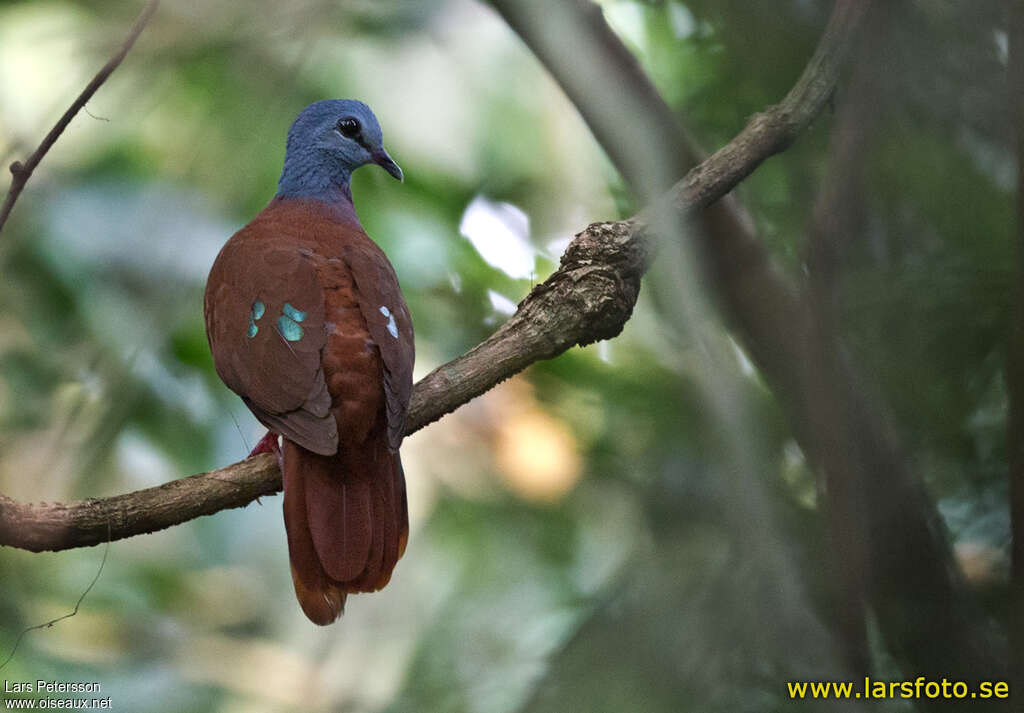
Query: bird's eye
[{"x": 348, "y": 127}]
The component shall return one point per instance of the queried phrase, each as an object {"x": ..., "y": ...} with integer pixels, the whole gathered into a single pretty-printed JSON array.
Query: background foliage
[{"x": 628, "y": 527}]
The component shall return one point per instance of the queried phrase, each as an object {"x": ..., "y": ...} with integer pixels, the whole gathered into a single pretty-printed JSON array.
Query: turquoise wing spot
[
  {"x": 258, "y": 308},
  {"x": 292, "y": 313},
  {"x": 289, "y": 328}
]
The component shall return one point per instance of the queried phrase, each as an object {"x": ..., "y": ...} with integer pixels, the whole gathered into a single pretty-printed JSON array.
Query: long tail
[{"x": 347, "y": 520}]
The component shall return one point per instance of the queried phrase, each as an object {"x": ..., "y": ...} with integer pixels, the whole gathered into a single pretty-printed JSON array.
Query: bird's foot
[{"x": 270, "y": 444}]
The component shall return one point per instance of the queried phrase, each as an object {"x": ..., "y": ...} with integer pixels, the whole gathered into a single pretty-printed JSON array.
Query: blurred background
[{"x": 630, "y": 526}]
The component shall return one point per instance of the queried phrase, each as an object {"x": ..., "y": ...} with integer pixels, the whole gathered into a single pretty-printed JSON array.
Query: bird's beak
[{"x": 382, "y": 159}]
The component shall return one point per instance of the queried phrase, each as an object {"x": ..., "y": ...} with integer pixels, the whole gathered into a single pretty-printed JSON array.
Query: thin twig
[
  {"x": 73, "y": 612},
  {"x": 93, "y": 116},
  {"x": 21, "y": 172}
]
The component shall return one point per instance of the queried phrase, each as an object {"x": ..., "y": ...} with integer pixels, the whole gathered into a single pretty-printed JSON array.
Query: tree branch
[
  {"x": 589, "y": 298},
  {"x": 21, "y": 172},
  {"x": 836, "y": 218},
  {"x": 772, "y": 131}
]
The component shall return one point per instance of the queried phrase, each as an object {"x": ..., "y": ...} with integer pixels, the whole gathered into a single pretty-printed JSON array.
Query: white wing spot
[{"x": 392, "y": 328}]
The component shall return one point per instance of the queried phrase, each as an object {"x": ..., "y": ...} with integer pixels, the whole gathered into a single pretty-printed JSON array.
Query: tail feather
[
  {"x": 347, "y": 522},
  {"x": 367, "y": 579},
  {"x": 387, "y": 504},
  {"x": 340, "y": 515},
  {"x": 403, "y": 508},
  {"x": 322, "y": 600},
  {"x": 384, "y": 553}
]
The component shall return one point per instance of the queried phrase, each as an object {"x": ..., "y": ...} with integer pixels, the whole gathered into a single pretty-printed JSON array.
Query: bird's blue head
[{"x": 327, "y": 142}]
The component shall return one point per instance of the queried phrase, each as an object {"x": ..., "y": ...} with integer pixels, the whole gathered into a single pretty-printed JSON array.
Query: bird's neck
[{"x": 311, "y": 177}]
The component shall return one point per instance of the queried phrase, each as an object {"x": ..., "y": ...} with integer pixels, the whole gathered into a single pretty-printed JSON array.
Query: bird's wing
[
  {"x": 390, "y": 326},
  {"x": 265, "y": 322}
]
